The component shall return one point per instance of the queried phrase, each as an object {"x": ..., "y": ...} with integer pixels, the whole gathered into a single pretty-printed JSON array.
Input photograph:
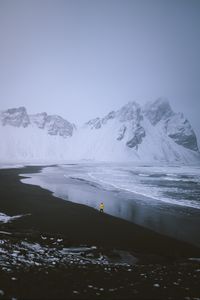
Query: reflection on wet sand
[{"x": 173, "y": 220}]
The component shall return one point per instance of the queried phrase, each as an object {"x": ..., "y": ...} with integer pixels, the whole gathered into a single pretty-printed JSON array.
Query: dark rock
[
  {"x": 137, "y": 138},
  {"x": 109, "y": 116},
  {"x": 179, "y": 129},
  {"x": 130, "y": 112},
  {"x": 94, "y": 123},
  {"x": 56, "y": 125},
  {"x": 122, "y": 131}
]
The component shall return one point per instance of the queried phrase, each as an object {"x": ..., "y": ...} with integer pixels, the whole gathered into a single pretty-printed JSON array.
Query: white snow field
[{"x": 153, "y": 133}]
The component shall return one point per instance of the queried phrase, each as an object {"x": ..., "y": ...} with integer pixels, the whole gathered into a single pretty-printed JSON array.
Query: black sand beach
[{"x": 160, "y": 258}]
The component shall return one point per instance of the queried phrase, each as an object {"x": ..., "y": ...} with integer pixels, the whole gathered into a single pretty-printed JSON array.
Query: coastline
[
  {"x": 79, "y": 223},
  {"x": 62, "y": 250}
]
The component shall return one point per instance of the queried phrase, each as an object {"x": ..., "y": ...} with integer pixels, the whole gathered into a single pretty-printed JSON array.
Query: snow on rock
[
  {"x": 130, "y": 112},
  {"x": 158, "y": 110},
  {"x": 39, "y": 119},
  {"x": 130, "y": 115},
  {"x": 20, "y": 253},
  {"x": 58, "y": 126},
  {"x": 149, "y": 134},
  {"x": 176, "y": 125},
  {"x": 15, "y": 117},
  {"x": 139, "y": 134},
  {"x": 94, "y": 123},
  {"x": 55, "y": 125},
  {"x": 179, "y": 129},
  {"x": 122, "y": 131}
]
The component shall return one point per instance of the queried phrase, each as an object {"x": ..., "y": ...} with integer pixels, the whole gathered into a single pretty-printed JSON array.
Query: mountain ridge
[{"x": 153, "y": 132}]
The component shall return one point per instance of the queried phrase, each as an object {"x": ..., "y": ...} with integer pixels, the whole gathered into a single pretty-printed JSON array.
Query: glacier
[{"x": 152, "y": 133}]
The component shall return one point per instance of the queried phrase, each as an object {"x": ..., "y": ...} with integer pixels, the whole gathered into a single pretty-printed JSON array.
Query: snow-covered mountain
[
  {"x": 133, "y": 133},
  {"x": 54, "y": 125}
]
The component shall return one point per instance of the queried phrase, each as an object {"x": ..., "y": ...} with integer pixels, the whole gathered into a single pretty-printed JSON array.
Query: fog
[{"x": 83, "y": 58}]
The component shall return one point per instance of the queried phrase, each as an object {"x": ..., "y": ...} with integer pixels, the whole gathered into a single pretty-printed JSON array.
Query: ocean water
[
  {"x": 164, "y": 198},
  {"x": 178, "y": 185}
]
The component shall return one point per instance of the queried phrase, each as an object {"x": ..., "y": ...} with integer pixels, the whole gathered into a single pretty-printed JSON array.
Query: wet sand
[{"x": 80, "y": 224}]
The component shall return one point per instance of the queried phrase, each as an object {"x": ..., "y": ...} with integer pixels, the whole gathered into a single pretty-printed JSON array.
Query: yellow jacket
[{"x": 101, "y": 206}]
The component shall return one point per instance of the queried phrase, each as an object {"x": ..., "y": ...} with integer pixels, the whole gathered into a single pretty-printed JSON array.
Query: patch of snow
[
  {"x": 5, "y": 232},
  {"x": 156, "y": 285},
  {"x": 5, "y": 218},
  {"x": 195, "y": 258}
]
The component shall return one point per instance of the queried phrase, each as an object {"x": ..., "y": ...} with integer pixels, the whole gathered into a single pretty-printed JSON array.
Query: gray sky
[{"x": 83, "y": 58}]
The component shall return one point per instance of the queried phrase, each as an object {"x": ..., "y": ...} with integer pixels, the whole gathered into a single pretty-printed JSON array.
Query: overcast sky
[{"x": 83, "y": 58}]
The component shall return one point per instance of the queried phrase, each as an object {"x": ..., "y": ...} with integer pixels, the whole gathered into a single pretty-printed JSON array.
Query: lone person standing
[{"x": 101, "y": 207}]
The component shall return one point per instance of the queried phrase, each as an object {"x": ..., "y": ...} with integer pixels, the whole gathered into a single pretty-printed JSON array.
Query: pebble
[
  {"x": 112, "y": 290},
  {"x": 1, "y": 293}
]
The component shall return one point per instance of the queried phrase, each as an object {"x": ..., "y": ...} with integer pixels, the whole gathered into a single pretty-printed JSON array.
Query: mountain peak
[
  {"x": 16, "y": 117},
  {"x": 157, "y": 110},
  {"x": 122, "y": 135},
  {"x": 55, "y": 125},
  {"x": 130, "y": 111},
  {"x": 179, "y": 129}
]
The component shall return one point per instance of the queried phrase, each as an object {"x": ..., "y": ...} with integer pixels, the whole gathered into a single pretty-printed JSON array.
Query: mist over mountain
[{"x": 150, "y": 133}]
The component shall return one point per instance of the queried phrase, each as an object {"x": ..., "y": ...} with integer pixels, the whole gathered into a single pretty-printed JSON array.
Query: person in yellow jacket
[{"x": 101, "y": 207}]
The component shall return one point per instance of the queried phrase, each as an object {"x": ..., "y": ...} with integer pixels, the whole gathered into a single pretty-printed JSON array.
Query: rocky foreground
[{"x": 45, "y": 266}]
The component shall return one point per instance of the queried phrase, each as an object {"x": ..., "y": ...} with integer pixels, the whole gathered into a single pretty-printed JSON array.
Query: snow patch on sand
[{"x": 6, "y": 219}]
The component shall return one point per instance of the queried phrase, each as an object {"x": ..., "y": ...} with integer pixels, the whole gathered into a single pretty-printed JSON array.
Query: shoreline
[{"x": 79, "y": 223}]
